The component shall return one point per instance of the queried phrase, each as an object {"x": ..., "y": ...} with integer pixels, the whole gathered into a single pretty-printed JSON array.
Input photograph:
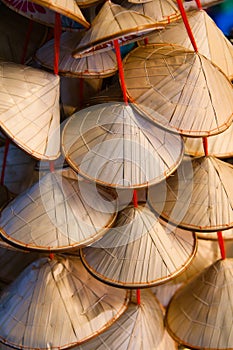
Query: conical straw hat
[
  {"x": 42, "y": 11},
  {"x": 19, "y": 169},
  {"x": 179, "y": 88},
  {"x": 192, "y": 5},
  {"x": 227, "y": 235},
  {"x": 140, "y": 327},
  {"x": 29, "y": 109},
  {"x": 162, "y": 11},
  {"x": 57, "y": 214},
  {"x": 210, "y": 40},
  {"x": 198, "y": 196},
  {"x": 139, "y": 251},
  {"x": 220, "y": 145},
  {"x": 56, "y": 304},
  {"x": 113, "y": 22},
  {"x": 200, "y": 314},
  {"x": 13, "y": 30},
  {"x": 113, "y": 145},
  {"x": 98, "y": 65}
]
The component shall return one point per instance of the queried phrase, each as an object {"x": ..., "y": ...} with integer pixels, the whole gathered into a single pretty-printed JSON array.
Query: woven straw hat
[
  {"x": 139, "y": 251},
  {"x": 56, "y": 303},
  {"x": 57, "y": 214},
  {"x": 13, "y": 28},
  {"x": 140, "y": 326},
  {"x": 113, "y": 22},
  {"x": 98, "y": 65},
  {"x": 42, "y": 11},
  {"x": 179, "y": 88},
  {"x": 210, "y": 40},
  {"x": 114, "y": 146},
  {"x": 198, "y": 196},
  {"x": 220, "y": 145},
  {"x": 192, "y": 5},
  {"x": 200, "y": 313},
  {"x": 161, "y": 11},
  {"x": 29, "y": 109}
]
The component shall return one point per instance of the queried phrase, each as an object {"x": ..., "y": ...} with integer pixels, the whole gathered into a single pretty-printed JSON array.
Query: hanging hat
[
  {"x": 57, "y": 304},
  {"x": 98, "y": 65},
  {"x": 192, "y": 4},
  {"x": 113, "y": 22},
  {"x": 19, "y": 169},
  {"x": 57, "y": 214},
  {"x": 29, "y": 109},
  {"x": 13, "y": 30},
  {"x": 179, "y": 88},
  {"x": 42, "y": 11},
  {"x": 139, "y": 251},
  {"x": 210, "y": 40},
  {"x": 140, "y": 327},
  {"x": 114, "y": 146},
  {"x": 161, "y": 11},
  {"x": 200, "y": 314},
  {"x": 220, "y": 145},
  {"x": 198, "y": 196}
]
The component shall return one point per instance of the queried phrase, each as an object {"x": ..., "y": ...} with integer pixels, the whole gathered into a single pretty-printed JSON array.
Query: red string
[
  {"x": 205, "y": 145},
  {"x": 51, "y": 256},
  {"x": 121, "y": 71},
  {"x": 138, "y": 296},
  {"x": 199, "y": 5},
  {"x": 146, "y": 41},
  {"x": 51, "y": 166},
  {"x": 186, "y": 23},
  {"x": 57, "y": 36},
  {"x": 135, "y": 198},
  {"x": 7, "y": 144},
  {"x": 27, "y": 39},
  {"x": 221, "y": 245}
]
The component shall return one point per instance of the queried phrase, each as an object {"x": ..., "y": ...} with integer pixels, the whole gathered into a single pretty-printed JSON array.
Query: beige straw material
[
  {"x": 227, "y": 235},
  {"x": 98, "y": 65},
  {"x": 113, "y": 22},
  {"x": 113, "y": 145},
  {"x": 161, "y": 11},
  {"x": 43, "y": 11},
  {"x": 200, "y": 314},
  {"x": 210, "y": 40},
  {"x": 57, "y": 214},
  {"x": 220, "y": 145},
  {"x": 29, "y": 109},
  {"x": 139, "y": 251},
  {"x": 198, "y": 196},
  {"x": 179, "y": 88},
  {"x": 19, "y": 169},
  {"x": 13, "y": 30},
  {"x": 140, "y": 327},
  {"x": 56, "y": 304}
]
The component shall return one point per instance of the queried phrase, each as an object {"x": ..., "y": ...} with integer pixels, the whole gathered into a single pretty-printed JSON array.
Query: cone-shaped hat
[
  {"x": 210, "y": 40},
  {"x": 43, "y": 11},
  {"x": 19, "y": 169},
  {"x": 192, "y": 4},
  {"x": 57, "y": 304},
  {"x": 180, "y": 88},
  {"x": 200, "y": 313},
  {"x": 198, "y": 196},
  {"x": 29, "y": 109},
  {"x": 113, "y": 145},
  {"x": 220, "y": 145},
  {"x": 162, "y": 11},
  {"x": 98, "y": 65},
  {"x": 57, "y": 213},
  {"x": 140, "y": 327},
  {"x": 13, "y": 28},
  {"x": 113, "y": 22},
  {"x": 139, "y": 251}
]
